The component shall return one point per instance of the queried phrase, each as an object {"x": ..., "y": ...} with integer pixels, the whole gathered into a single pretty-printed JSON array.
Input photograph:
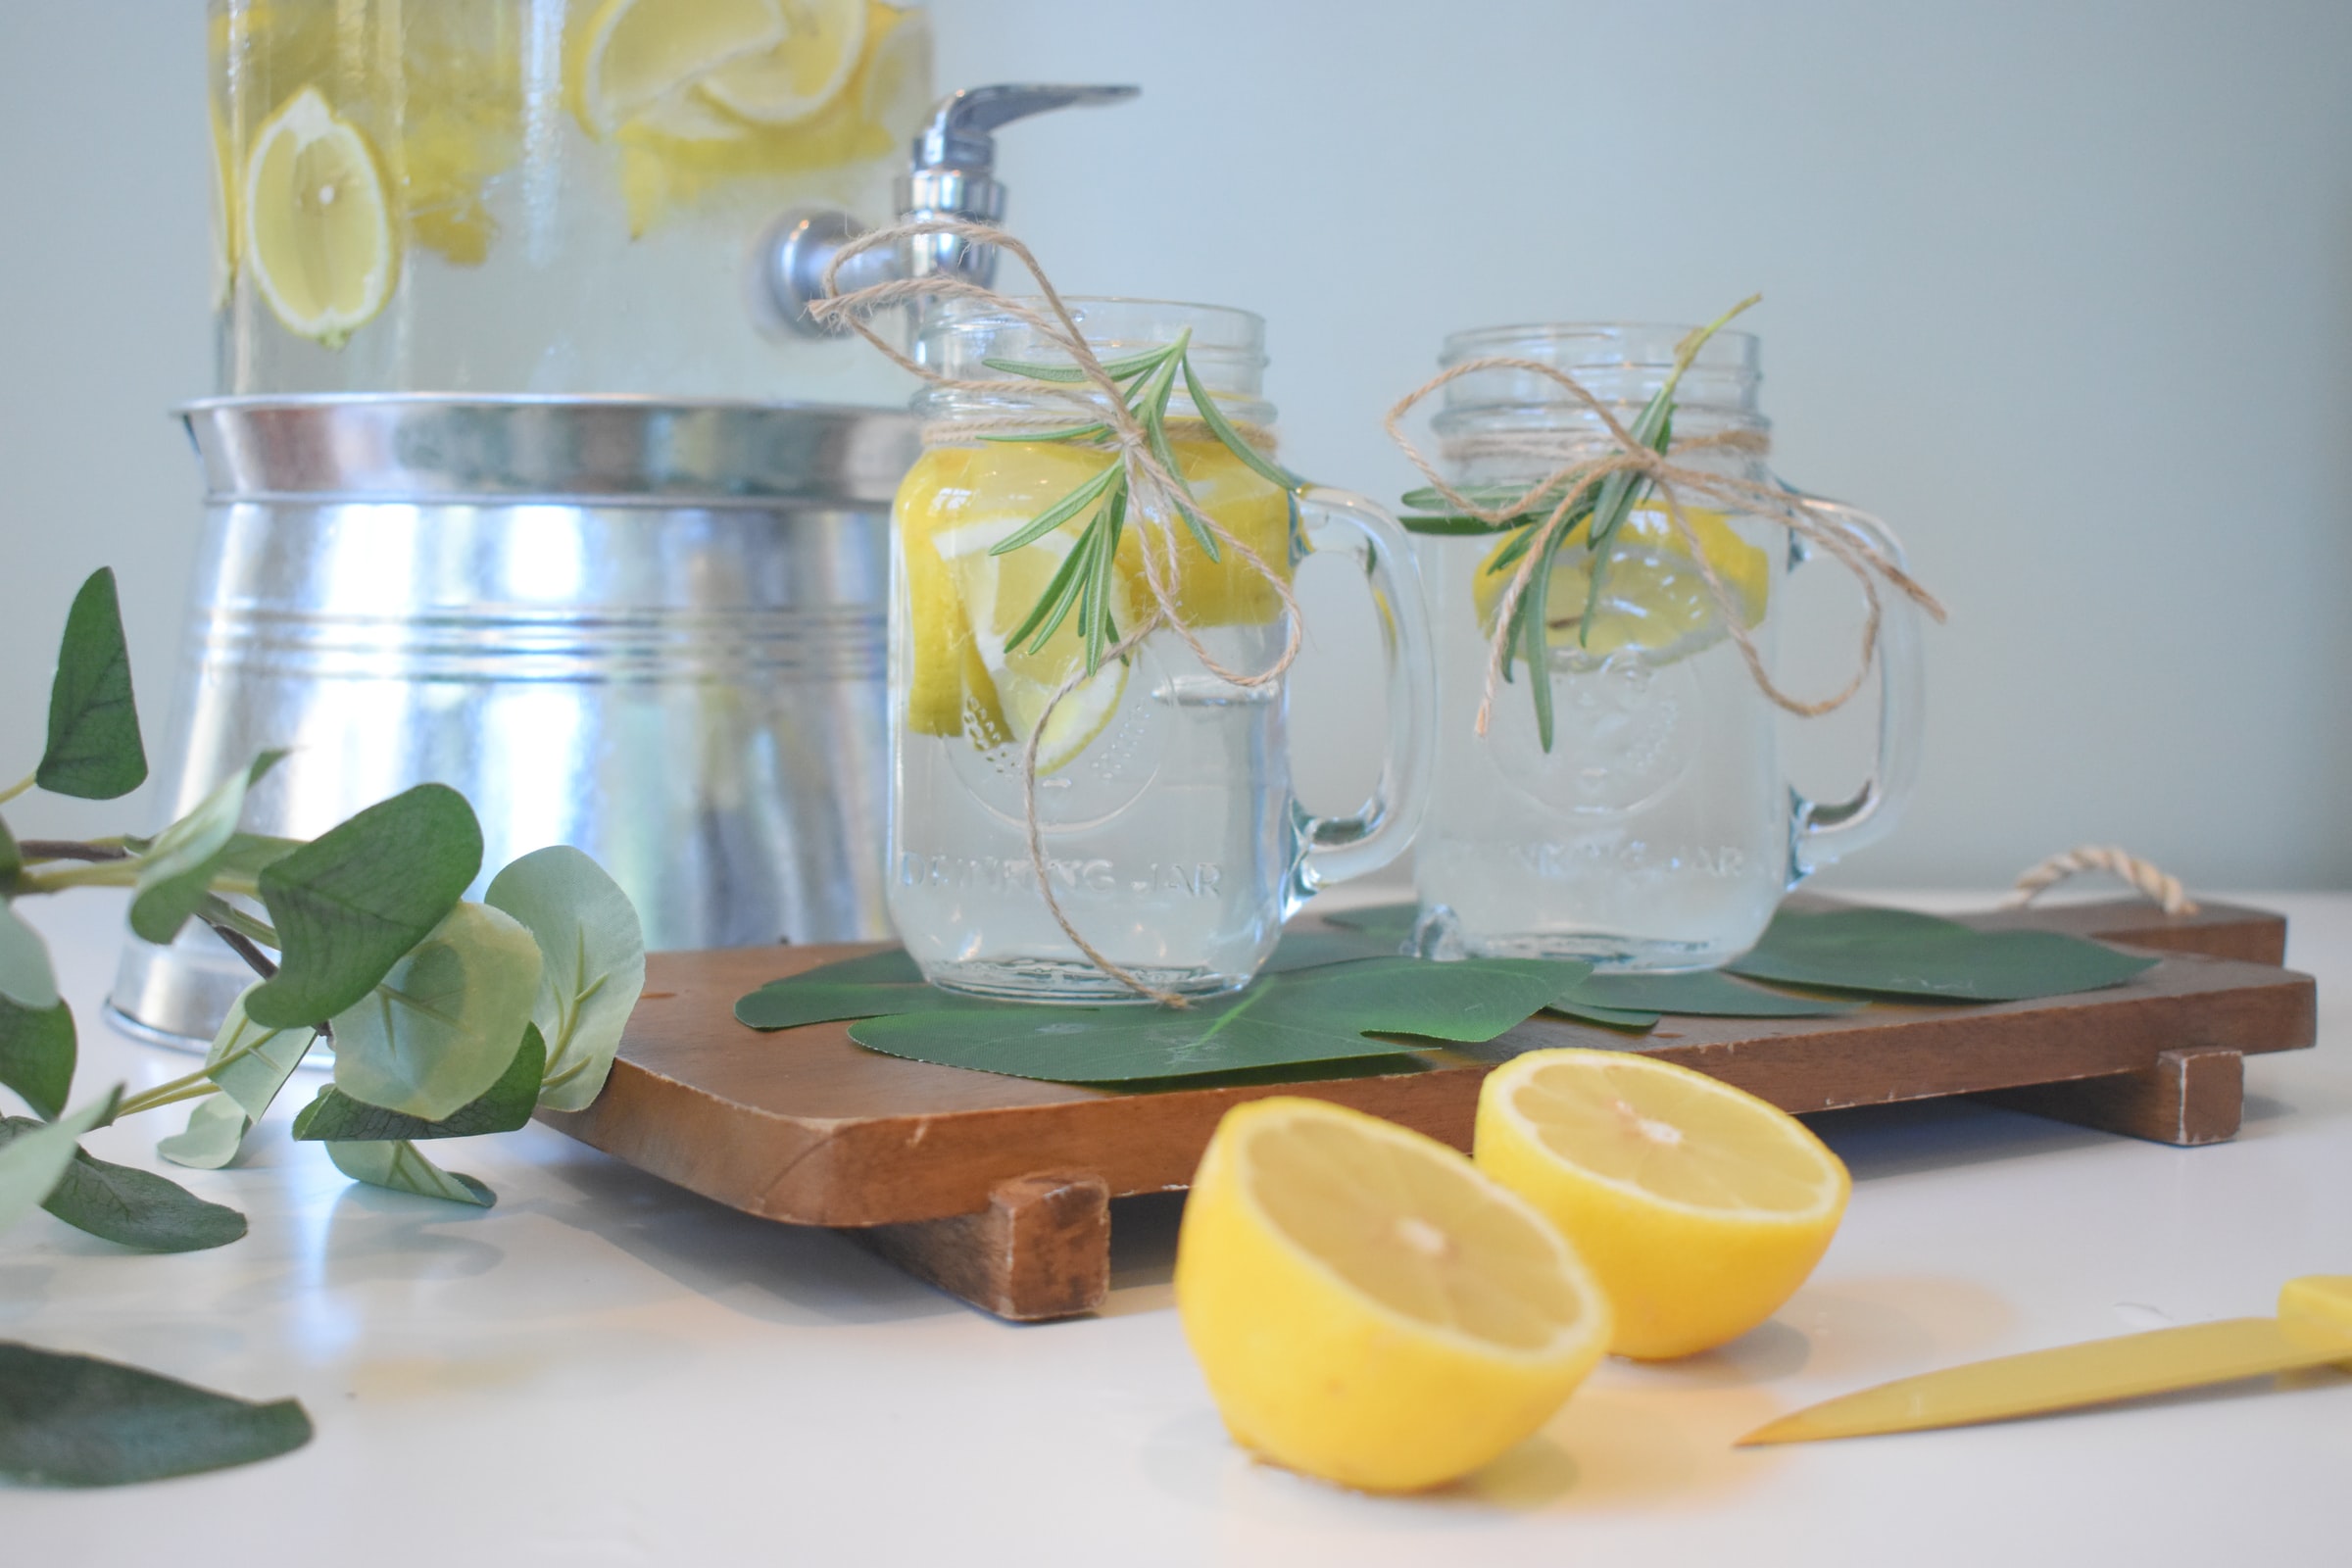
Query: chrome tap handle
[{"x": 951, "y": 174}]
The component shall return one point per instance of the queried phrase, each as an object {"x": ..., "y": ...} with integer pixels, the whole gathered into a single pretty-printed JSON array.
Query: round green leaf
[
  {"x": 594, "y": 964},
  {"x": 441, "y": 1027}
]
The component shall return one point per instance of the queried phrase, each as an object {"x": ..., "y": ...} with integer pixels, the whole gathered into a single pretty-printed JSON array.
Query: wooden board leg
[
  {"x": 1040, "y": 1249},
  {"x": 2187, "y": 1097}
]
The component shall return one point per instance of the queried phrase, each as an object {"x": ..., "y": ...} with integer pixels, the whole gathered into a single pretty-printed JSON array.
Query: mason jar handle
[
  {"x": 1827, "y": 831},
  {"x": 1337, "y": 848}
]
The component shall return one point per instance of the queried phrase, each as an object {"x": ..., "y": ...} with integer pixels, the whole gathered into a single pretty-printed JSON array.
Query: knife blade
[{"x": 2313, "y": 1328}]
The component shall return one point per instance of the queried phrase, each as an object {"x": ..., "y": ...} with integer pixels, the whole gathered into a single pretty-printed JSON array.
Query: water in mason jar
[
  {"x": 549, "y": 196},
  {"x": 1656, "y": 832},
  {"x": 1164, "y": 790}
]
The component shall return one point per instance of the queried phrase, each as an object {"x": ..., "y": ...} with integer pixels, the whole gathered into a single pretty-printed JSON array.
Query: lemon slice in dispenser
[
  {"x": 802, "y": 72},
  {"x": 641, "y": 57},
  {"x": 318, "y": 230},
  {"x": 998, "y": 593},
  {"x": 896, "y": 91}
]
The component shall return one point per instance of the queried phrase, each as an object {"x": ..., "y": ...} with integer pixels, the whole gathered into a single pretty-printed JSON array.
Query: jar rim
[
  {"x": 1245, "y": 329},
  {"x": 1727, "y": 350}
]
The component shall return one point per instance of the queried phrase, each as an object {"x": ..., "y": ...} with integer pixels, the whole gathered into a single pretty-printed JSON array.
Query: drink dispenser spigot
[{"x": 953, "y": 174}]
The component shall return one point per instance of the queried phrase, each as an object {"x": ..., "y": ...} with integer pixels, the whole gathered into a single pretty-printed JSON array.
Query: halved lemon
[
  {"x": 1367, "y": 1306},
  {"x": 800, "y": 74},
  {"x": 1699, "y": 1207},
  {"x": 318, "y": 232},
  {"x": 1653, "y": 599},
  {"x": 636, "y": 57}
]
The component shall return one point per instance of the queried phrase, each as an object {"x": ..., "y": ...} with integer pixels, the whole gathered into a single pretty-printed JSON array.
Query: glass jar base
[
  {"x": 1072, "y": 982},
  {"x": 1439, "y": 934}
]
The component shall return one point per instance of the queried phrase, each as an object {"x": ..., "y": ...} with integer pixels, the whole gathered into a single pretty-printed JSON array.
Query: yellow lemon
[
  {"x": 1367, "y": 1306},
  {"x": 1227, "y": 591},
  {"x": 318, "y": 233},
  {"x": 1699, "y": 1207},
  {"x": 1652, "y": 596},
  {"x": 223, "y": 217},
  {"x": 802, "y": 72},
  {"x": 640, "y": 57},
  {"x": 942, "y": 660}
]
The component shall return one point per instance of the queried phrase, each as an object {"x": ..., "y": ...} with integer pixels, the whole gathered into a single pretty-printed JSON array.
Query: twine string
[
  {"x": 1159, "y": 499},
  {"x": 1671, "y": 476},
  {"x": 2146, "y": 876}
]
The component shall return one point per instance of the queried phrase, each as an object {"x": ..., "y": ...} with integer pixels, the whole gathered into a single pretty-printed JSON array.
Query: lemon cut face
[
  {"x": 1653, "y": 599},
  {"x": 318, "y": 230},
  {"x": 1367, "y": 1306},
  {"x": 1699, "y": 1207}
]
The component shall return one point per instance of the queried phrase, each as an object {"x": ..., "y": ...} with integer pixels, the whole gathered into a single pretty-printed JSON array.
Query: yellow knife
[{"x": 2313, "y": 1328}]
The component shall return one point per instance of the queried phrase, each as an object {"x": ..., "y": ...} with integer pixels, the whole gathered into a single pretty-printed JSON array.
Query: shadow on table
[
  {"x": 766, "y": 1270},
  {"x": 1900, "y": 1139}
]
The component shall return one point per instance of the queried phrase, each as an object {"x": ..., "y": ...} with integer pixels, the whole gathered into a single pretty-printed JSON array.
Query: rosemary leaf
[
  {"x": 1054, "y": 602},
  {"x": 1069, "y": 432},
  {"x": 1060, "y": 511},
  {"x": 1117, "y": 369},
  {"x": 1533, "y": 631},
  {"x": 1222, "y": 428}
]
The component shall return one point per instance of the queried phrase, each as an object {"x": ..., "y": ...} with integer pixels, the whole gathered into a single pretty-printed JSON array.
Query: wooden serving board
[{"x": 998, "y": 1189}]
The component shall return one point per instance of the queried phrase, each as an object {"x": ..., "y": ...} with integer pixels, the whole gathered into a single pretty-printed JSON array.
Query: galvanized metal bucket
[{"x": 650, "y": 629}]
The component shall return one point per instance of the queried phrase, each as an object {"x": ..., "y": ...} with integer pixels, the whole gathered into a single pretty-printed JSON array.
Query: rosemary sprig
[
  {"x": 1599, "y": 509},
  {"x": 1082, "y": 585}
]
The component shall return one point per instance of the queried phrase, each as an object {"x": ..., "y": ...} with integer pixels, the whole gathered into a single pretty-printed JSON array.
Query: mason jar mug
[
  {"x": 1659, "y": 829},
  {"x": 1166, "y": 831}
]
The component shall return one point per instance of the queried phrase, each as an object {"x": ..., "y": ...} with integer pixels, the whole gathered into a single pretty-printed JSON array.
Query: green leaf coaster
[
  {"x": 1895, "y": 953},
  {"x": 1315, "y": 1015}
]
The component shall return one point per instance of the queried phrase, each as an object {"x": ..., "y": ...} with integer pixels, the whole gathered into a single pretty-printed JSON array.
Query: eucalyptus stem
[
  {"x": 110, "y": 873},
  {"x": 18, "y": 788},
  {"x": 217, "y": 912},
  {"x": 93, "y": 850},
  {"x": 155, "y": 1099}
]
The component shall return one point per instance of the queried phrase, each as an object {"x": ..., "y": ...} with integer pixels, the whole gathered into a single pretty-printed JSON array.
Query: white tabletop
[{"x": 605, "y": 1369}]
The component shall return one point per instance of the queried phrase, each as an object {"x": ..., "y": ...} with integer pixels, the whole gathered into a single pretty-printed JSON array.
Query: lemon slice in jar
[
  {"x": 642, "y": 56},
  {"x": 318, "y": 232},
  {"x": 1653, "y": 599},
  {"x": 802, "y": 72},
  {"x": 998, "y": 592}
]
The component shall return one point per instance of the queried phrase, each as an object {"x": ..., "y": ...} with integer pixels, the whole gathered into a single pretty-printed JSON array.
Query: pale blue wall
[{"x": 2065, "y": 290}]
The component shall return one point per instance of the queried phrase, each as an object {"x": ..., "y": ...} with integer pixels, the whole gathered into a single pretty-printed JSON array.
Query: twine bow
[
  {"x": 1160, "y": 499},
  {"x": 1670, "y": 477}
]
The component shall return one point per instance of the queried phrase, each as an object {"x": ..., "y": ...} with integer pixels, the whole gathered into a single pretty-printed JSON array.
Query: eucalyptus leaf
[
  {"x": 25, "y": 977},
  {"x": 593, "y": 969},
  {"x": 349, "y": 905},
  {"x": 1895, "y": 953},
  {"x": 94, "y": 751},
  {"x": 441, "y": 1028},
  {"x": 215, "y": 1131},
  {"x": 37, "y": 1056},
  {"x": 402, "y": 1168},
  {"x": 12, "y": 858},
  {"x": 251, "y": 1064},
  {"x": 32, "y": 1161},
  {"x": 77, "y": 1421},
  {"x": 129, "y": 1206},
  {"x": 867, "y": 987},
  {"x": 506, "y": 1105},
  {"x": 177, "y": 868},
  {"x": 1312, "y": 1017}
]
